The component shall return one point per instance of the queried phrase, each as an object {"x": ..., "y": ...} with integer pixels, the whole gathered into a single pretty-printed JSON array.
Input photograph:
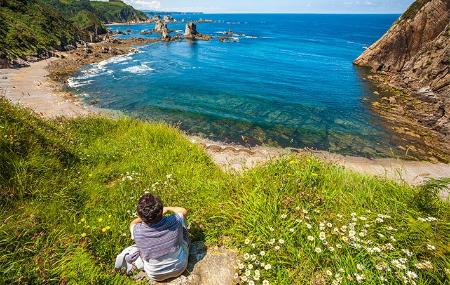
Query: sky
[{"x": 275, "y": 6}]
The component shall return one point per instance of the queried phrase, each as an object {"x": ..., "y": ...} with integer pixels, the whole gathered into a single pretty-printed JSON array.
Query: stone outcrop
[
  {"x": 160, "y": 26},
  {"x": 167, "y": 19},
  {"x": 414, "y": 56},
  {"x": 210, "y": 266},
  {"x": 191, "y": 33},
  {"x": 191, "y": 30}
]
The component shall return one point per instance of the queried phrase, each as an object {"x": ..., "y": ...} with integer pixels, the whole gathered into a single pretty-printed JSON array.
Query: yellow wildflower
[
  {"x": 104, "y": 230},
  {"x": 83, "y": 235}
]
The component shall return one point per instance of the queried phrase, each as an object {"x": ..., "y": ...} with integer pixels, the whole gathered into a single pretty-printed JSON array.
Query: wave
[
  {"x": 116, "y": 59},
  {"x": 74, "y": 83},
  {"x": 138, "y": 69}
]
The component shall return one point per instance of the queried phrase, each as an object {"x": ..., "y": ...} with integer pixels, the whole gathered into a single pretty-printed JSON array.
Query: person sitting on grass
[{"x": 161, "y": 239}]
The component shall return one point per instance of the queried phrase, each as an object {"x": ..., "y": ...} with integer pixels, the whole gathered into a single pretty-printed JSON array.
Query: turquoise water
[{"x": 288, "y": 80}]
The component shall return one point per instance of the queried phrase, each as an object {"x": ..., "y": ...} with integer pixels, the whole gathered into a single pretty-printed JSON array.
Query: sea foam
[{"x": 138, "y": 69}]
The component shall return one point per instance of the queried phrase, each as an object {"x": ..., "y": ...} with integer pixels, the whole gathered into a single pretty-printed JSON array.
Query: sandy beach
[{"x": 31, "y": 87}]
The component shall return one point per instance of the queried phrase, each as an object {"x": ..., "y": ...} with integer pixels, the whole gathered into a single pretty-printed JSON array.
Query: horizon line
[{"x": 281, "y": 13}]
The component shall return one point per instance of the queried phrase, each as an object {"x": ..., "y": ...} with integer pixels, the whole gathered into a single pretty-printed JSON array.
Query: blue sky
[{"x": 275, "y": 6}]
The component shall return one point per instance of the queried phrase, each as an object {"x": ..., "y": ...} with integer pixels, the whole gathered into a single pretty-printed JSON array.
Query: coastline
[
  {"x": 404, "y": 114},
  {"x": 39, "y": 87}
]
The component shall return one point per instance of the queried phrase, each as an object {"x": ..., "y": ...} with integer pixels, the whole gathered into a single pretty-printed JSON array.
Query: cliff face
[
  {"x": 421, "y": 24},
  {"x": 414, "y": 56}
]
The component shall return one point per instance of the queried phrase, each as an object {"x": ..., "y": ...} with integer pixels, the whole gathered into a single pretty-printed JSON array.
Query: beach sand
[{"x": 32, "y": 88}]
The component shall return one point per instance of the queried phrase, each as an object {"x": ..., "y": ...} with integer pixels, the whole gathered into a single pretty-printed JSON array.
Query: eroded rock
[{"x": 191, "y": 33}]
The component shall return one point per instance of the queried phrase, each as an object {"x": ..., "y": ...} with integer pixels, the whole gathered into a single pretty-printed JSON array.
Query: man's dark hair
[{"x": 150, "y": 208}]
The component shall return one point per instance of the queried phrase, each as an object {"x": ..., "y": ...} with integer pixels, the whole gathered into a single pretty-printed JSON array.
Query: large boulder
[
  {"x": 165, "y": 35},
  {"x": 190, "y": 31},
  {"x": 4, "y": 63},
  {"x": 167, "y": 19},
  {"x": 160, "y": 26},
  {"x": 212, "y": 266}
]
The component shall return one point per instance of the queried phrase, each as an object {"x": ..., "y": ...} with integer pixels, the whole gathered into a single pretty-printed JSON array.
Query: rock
[
  {"x": 4, "y": 63},
  {"x": 212, "y": 266},
  {"x": 190, "y": 31},
  {"x": 160, "y": 26},
  {"x": 392, "y": 100},
  {"x": 69, "y": 47},
  {"x": 106, "y": 49},
  {"x": 165, "y": 35},
  {"x": 146, "y": 32},
  {"x": 20, "y": 63},
  {"x": 414, "y": 53},
  {"x": 426, "y": 94},
  {"x": 167, "y": 19}
]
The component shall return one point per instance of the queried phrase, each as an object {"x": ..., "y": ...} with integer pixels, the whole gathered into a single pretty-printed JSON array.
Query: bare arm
[
  {"x": 135, "y": 222},
  {"x": 176, "y": 210}
]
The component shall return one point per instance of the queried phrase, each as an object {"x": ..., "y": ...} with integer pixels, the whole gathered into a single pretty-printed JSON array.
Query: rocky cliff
[{"x": 413, "y": 56}]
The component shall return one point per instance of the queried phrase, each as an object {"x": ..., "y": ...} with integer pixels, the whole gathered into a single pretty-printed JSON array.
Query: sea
[{"x": 282, "y": 80}]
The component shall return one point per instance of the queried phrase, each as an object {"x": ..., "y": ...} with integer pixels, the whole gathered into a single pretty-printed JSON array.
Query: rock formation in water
[
  {"x": 160, "y": 26},
  {"x": 192, "y": 33},
  {"x": 165, "y": 35},
  {"x": 414, "y": 56},
  {"x": 167, "y": 19}
]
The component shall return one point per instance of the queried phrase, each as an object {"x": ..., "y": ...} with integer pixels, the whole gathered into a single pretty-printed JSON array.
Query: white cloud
[{"x": 144, "y": 4}]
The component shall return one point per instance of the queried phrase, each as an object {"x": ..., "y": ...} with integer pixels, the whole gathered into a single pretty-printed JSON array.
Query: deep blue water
[{"x": 288, "y": 81}]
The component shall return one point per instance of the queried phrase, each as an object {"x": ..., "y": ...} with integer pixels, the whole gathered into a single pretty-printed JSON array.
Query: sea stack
[
  {"x": 160, "y": 26},
  {"x": 165, "y": 35},
  {"x": 190, "y": 31}
]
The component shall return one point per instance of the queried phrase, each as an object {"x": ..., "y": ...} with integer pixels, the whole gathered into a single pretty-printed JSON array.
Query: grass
[{"x": 69, "y": 189}]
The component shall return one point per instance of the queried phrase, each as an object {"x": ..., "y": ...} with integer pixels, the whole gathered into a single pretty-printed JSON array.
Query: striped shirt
[{"x": 162, "y": 247}]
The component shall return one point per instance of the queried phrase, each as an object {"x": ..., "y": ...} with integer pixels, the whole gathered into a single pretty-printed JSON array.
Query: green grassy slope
[
  {"x": 116, "y": 11},
  {"x": 69, "y": 189},
  {"x": 33, "y": 27}
]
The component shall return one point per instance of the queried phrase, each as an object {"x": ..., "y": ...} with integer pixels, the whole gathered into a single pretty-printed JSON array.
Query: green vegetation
[
  {"x": 33, "y": 27},
  {"x": 413, "y": 9},
  {"x": 69, "y": 188},
  {"x": 116, "y": 11}
]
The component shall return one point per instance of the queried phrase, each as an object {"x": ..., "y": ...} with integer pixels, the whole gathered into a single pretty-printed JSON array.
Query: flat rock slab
[{"x": 212, "y": 266}]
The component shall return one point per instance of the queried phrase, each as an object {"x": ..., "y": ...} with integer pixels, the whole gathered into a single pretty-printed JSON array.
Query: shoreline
[
  {"x": 397, "y": 106},
  {"x": 35, "y": 87}
]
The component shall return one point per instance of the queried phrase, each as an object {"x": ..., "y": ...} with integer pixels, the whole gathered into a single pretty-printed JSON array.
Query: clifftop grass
[{"x": 69, "y": 189}]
